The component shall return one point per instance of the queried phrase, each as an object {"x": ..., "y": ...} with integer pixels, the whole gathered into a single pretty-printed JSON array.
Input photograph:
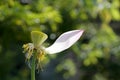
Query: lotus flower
[{"x": 65, "y": 41}]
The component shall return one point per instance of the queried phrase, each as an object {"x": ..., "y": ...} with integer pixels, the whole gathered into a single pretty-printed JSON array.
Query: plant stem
[{"x": 33, "y": 68}]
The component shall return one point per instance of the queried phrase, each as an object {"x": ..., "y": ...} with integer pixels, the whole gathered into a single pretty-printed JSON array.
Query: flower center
[{"x": 29, "y": 49}]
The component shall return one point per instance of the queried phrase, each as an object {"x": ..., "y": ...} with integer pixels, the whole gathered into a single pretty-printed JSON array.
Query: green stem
[{"x": 33, "y": 68}]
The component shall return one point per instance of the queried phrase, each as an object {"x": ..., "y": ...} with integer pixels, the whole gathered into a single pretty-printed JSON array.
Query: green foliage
[
  {"x": 68, "y": 69},
  {"x": 96, "y": 55}
]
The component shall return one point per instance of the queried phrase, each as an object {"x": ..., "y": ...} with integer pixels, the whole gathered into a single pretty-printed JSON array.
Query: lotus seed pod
[{"x": 38, "y": 38}]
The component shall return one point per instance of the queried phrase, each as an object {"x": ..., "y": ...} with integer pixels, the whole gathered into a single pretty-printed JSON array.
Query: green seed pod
[{"x": 38, "y": 38}]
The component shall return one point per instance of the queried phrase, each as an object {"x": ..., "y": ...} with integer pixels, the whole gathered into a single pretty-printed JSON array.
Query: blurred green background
[{"x": 96, "y": 56}]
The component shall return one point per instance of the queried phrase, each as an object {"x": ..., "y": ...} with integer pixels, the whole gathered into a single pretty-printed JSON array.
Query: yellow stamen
[
  {"x": 41, "y": 55},
  {"x": 28, "y": 49}
]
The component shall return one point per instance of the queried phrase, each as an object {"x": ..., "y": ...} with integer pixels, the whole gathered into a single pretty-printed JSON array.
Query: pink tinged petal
[{"x": 65, "y": 41}]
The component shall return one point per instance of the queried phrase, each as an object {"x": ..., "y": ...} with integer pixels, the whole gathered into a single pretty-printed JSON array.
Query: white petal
[{"x": 65, "y": 41}]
